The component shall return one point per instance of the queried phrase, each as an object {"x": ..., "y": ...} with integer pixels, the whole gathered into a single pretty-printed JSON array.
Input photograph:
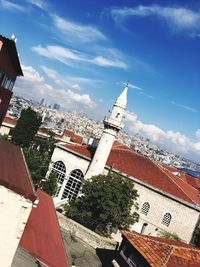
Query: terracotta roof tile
[
  {"x": 125, "y": 160},
  {"x": 42, "y": 237},
  {"x": 10, "y": 121},
  {"x": 13, "y": 171},
  {"x": 162, "y": 252}
]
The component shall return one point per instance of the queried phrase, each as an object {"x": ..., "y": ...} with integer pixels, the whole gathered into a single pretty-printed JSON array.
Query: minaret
[{"x": 112, "y": 125}]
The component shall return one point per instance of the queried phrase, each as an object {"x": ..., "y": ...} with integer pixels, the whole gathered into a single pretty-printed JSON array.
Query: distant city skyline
[{"x": 80, "y": 55}]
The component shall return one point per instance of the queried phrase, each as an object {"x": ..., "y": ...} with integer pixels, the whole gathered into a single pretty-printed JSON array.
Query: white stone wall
[
  {"x": 71, "y": 162},
  {"x": 14, "y": 210},
  {"x": 183, "y": 221},
  {"x": 4, "y": 130}
]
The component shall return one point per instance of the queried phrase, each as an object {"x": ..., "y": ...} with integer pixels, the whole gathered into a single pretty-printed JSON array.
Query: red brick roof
[
  {"x": 13, "y": 171},
  {"x": 162, "y": 252},
  {"x": 77, "y": 139},
  {"x": 42, "y": 237},
  {"x": 10, "y": 121},
  {"x": 125, "y": 160}
]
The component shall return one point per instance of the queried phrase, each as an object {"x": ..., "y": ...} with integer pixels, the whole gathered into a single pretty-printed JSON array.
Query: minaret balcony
[{"x": 112, "y": 123}]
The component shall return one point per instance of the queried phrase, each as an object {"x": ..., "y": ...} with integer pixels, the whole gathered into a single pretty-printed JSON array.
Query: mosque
[{"x": 168, "y": 198}]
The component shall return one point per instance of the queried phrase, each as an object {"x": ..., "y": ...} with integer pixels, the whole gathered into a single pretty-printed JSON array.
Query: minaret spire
[{"x": 113, "y": 123}]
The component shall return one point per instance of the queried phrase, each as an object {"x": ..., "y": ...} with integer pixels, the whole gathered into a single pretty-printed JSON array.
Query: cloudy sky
[{"x": 80, "y": 53}]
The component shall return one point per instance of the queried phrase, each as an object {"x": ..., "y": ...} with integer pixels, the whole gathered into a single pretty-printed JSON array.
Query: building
[
  {"x": 166, "y": 197},
  {"x": 7, "y": 124},
  {"x": 142, "y": 250},
  {"x": 9, "y": 69},
  {"x": 17, "y": 197}
]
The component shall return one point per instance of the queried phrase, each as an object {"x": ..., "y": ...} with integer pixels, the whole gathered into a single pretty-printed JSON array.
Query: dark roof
[
  {"x": 42, "y": 237},
  {"x": 11, "y": 46},
  {"x": 125, "y": 160},
  {"x": 162, "y": 252},
  {"x": 13, "y": 171}
]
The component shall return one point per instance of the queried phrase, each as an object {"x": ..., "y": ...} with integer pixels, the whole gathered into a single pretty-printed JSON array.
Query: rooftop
[
  {"x": 125, "y": 160},
  {"x": 42, "y": 237},
  {"x": 162, "y": 252},
  {"x": 13, "y": 172}
]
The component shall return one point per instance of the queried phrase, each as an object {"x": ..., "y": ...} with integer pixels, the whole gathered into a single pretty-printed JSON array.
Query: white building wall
[
  {"x": 14, "y": 210},
  {"x": 4, "y": 130},
  {"x": 183, "y": 221},
  {"x": 71, "y": 162}
]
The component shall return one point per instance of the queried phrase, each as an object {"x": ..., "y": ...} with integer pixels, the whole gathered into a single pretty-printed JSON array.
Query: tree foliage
[
  {"x": 49, "y": 185},
  {"x": 105, "y": 204},
  {"x": 26, "y": 128},
  {"x": 37, "y": 164},
  {"x": 168, "y": 235}
]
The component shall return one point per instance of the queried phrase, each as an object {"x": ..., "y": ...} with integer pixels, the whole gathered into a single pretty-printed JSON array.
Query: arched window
[
  {"x": 166, "y": 219},
  {"x": 60, "y": 170},
  {"x": 145, "y": 208},
  {"x": 73, "y": 185}
]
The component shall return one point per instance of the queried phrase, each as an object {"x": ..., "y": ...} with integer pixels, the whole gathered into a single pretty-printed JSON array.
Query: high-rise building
[
  {"x": 42, "y": 101},
  {"x": 10, "y": 68}
]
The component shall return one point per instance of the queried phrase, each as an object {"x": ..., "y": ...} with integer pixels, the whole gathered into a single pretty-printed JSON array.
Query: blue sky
[{"x": 80, "y": 53}]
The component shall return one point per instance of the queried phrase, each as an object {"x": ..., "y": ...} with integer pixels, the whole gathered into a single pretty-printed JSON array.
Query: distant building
[
  {"x": 42, "y": 101},
  {"x": 56, "y": 106},
  {"x": 166, "y": 200},
  {"x": 10, "y": 68}
]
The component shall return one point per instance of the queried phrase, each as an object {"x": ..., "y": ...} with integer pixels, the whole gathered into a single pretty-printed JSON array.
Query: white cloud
[
  {"x": 102, "y": 61},
  {"x": 69, "y": 57},
  {"x": 11, "y": 6},
  {"x": 184, "y": 106},
  {"x": 34, "y": 86},
  {"x": 198, "y": 134},
  {"x": 179, "y": 18},
  {"x": 38, "y": 3},
  {"x": 77, "y": 31},
  {"x": 73, "y": 82},
  {"x": 170, "y": 140}
]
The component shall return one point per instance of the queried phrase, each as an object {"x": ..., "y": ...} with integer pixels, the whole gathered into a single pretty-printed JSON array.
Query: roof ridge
[
  {"x": 167, "y": 256},
  {"x": 174, "y": 181}
]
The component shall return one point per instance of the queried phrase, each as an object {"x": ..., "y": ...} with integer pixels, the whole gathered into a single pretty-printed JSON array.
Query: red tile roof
[
  {"x": 13, "y": 171},
  {"x": 42, "y": 237},
  {"x": 77, "y": 139},
  {"x": 9, "y": 120},
  {"x": 68, "y": 133},
  {"x": 125, "y": 160},
  {"x": 162, "y": 252}
]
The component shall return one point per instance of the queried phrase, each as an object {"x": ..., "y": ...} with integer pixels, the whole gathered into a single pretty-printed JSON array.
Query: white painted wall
[
  {"x": 14, "y": 210},
  {"x": 71, "y": 162},
  {"x": 183, "y": 221},
  {"x": 4, "y": 130}
]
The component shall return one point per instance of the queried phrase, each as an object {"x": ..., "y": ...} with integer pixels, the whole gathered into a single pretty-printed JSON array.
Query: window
[
  {"x": 145, "y": 208},
  {"x": 73, "y": 185},
  {"x": 166, "y": 219},
  {"x": 59, "y": 168},
  {"x": 5, "y": 81}
]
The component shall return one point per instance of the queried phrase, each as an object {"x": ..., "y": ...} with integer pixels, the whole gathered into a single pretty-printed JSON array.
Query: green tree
[
  {"x": 168, "y": 235},
  {"x": 105, "y": 204},
  {"x": 49, "y": 185},
  {"x": 26, "y": 127},
  {"x": 37, "y": 164}
]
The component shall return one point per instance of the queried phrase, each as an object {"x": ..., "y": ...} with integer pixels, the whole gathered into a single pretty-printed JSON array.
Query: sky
[{"x": 80, "y": 54}]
